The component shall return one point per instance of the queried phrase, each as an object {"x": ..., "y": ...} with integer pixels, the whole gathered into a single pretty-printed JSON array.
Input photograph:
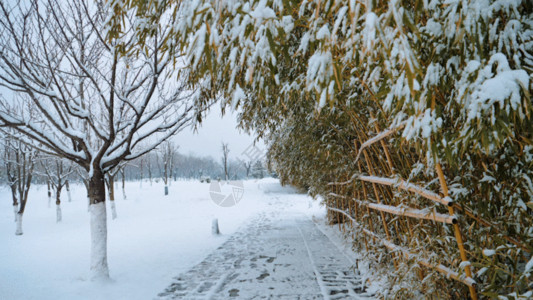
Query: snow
[
  {"x": 371, "y": 22},
  {"x": 323, "y": 33},
  {"x": 506, "y": 85},
  {"x": 238, "y": 95},
  {"x": 529, "y": 266},
  {"x": 154, "y": 238},
  {"x": 488, "y": 252},
  {"x": 433, "y": 27},
  {"x": 263, "y": 12},
  {"x": 319, "y": 70},
  {"x": 304, "y": 42}
]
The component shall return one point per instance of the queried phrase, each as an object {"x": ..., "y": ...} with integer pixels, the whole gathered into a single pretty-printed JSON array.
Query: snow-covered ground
[{"x": 154, "y": 239}]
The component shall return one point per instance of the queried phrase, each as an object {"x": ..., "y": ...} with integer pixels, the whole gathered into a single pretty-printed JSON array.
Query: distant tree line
[{"x": 151, "y": 167}]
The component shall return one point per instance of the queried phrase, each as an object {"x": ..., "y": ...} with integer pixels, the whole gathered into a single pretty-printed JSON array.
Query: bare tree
[
  {"x": 141, "y": 171},
  {"x": 167, "y": 152},
  {"x": 225, "y": 158},
  {"x": 49, "y": 192},
  {"x": 94, "y": 101},
  {"x": 56, "y": 171},
  {"x": 248, "y": 167},
  {"x": 149, "y": 167},
  {"x": 123, "y": 177},
  {"x": 110, "y": 183},
  {"x": 19, "y": 163},
  {"x": 11, "y": 179},
  {"x": 67, "y": 186},
  {"x": 84, "y": 176}
]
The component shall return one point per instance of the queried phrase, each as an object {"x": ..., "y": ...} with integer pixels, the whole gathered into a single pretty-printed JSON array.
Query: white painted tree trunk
[
  {"x": 124, "y": 193},
  {"x": 69, "y": 197},
  {"x": 58, "y": 213},
  {"x": 113, "y": 210},
  {"x": 88, "y": 204},
  {"x": 19, "y": 224},
  {"x": 49, "y": 200},
  {"x": 16, "y": 211},
  {"x": 166, "y": 190},
  {"x": 99, "y": 267}
]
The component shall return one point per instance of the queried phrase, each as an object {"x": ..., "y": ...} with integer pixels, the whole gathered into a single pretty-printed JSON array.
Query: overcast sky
[{"x": 215, "y": 129}]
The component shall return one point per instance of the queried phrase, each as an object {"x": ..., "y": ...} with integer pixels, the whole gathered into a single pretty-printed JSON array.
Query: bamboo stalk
[
  {"x": 393, "y": 247},
  {"x": 391, "y": 168},
  {"x": 371, "y": 171},
  {"x": 457, "y": 230},
  {"x": 356, "y": 194},
  {"x": 337, "y": 217},
  {"x": 413, "y": 213},
  {"x": 405, "y": 211},
  {"x": 371, "y": 225},
  {"x": 384, "y": 221},
  {"x": 402, "y": 184},
  {"x": 378, "y": 137}
]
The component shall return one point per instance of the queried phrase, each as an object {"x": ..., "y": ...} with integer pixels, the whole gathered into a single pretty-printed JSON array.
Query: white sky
[{"x": 214, "y": 130}]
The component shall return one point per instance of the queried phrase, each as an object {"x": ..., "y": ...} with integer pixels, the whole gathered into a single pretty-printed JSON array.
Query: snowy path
[{"x": 280, "y": 254}]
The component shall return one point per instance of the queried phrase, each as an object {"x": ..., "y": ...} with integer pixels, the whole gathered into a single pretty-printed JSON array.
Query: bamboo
[
  {"x": 484, "y": 222},
  {"x": 356, "y": 194},
  {"x": 391, "y": 246},
  {"x": 385, "y": 226},
  {"x": 391, "y": 168},
  {"x": 405, "y": 211},
  {"x": 371, "y": 171},
  {"x": 371, "y": 225},
  {"x": 413, "y": 213},
  {"x": 378, "y": 137},
  {"x": 457, "y": 231},
  {"x": 402, "y": 184},
  {"x": 337, "y": 217},
  {"x": 440, "y": 268}
]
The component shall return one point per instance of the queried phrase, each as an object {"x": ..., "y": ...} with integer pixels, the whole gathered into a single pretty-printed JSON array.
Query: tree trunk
[
  {"x": 99, "y": 267},
  {"x": 123, "y": 185},
  {"x": 49, "y": 193},
  {"x": 58, "y": 206},
  {"x": 141, "y": 175},
  {"x": 86, "y": 183},
  {"x": 14, "y": 197},
  {"x": 166, "y": 190},
  {"x": 15, "y": 210},
  {"x": 113, "y": 210},
  {"x": 58, "y": 213},
  {"x": 19, "y": 224},
  {"x": 67, "y": 186},
  {"x": 111, "y": 192},
  {"x": 20, "y": 213},
  {"x": 214, "y": 227}
]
